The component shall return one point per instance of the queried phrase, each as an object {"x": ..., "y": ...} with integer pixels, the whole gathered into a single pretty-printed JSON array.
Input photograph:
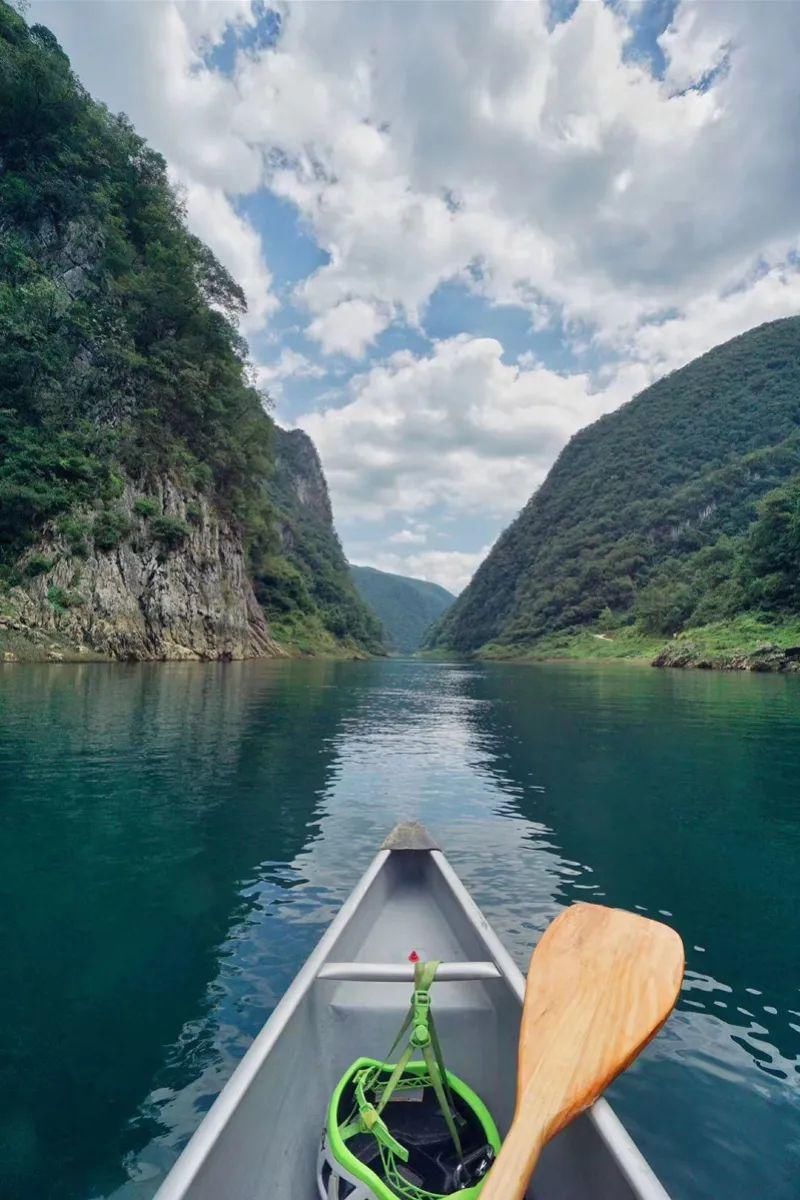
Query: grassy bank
[
  {"x": 305, "y": 636},
  {"x": 628, "y": 643},
  {"x": 743, "y": 635},
  {"x": 748, "y": 642}
]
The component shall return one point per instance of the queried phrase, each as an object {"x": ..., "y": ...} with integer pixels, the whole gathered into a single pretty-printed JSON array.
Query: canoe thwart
[
  {"x": 367, "y": 972},
  {"x": 409, "y": 835}
]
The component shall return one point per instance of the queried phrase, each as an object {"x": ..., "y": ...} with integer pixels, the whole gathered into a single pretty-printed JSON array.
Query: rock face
[
  {"x": 184, "y": 597},
  {"x": 765, "y": 658},
  {"x": 308, "y": 579},
  {"x": 299, "y": 474}
]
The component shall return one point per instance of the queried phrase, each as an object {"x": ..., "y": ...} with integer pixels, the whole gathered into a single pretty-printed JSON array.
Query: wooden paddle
[{"x": 601, "y": 984}]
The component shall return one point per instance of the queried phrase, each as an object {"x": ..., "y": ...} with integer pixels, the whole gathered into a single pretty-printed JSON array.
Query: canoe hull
[{"x": 260, "y": 1138}]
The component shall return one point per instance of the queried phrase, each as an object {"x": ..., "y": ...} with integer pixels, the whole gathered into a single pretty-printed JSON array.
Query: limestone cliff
[
  {"x": 175, "y": 586},
  {"x": 297, "y": 485},
  {"x": 305, "y": 584}
]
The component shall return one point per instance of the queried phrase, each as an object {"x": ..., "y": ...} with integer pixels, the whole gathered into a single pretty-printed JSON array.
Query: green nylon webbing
[
  {"x": 433, "y": 1057},
  {"x": 365, "y": 1116},
  {"x": 437, "y": 1049},
  {"x": 424, "y": 975},
  {"x": 425, "y": 1039},
  {"x": 436, "y": 1079}
]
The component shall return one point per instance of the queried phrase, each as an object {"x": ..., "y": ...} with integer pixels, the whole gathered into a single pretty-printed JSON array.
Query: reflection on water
[{"x": 175, "y": 839}]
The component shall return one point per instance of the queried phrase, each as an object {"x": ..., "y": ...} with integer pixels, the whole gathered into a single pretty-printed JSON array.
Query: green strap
[
  {"x": 369, "y": 1117},
  {"x": 394, "y": 1078},
  {"x": 424, "y": 1039},
  {"x": 406, "y": 1022},
  {"x": 432, "y": 1064},
  {"x": 424, "y": 975},
  {"x": 437, "y": 1050}
]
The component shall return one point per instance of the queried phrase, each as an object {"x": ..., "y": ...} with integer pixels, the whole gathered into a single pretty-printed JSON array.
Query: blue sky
[{"x": 465, "y": 230}]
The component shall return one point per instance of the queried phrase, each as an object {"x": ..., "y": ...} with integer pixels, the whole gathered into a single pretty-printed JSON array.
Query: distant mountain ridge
[
  {"x": 406, "y": 607},
  {"x": 653, "y": 513}
]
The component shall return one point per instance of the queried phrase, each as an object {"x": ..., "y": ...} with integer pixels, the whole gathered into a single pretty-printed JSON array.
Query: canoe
[{"x": 260, "y": 1139}]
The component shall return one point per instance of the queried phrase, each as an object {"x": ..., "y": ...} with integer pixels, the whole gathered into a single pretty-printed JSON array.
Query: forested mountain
[
  {"x": 407, "y": 607},
  {"x": 664, "y": 513},
  {"x": 134, "y": 454}
]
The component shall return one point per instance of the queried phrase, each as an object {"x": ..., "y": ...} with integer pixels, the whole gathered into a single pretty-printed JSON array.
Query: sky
[{"x": 466, "y": 230}]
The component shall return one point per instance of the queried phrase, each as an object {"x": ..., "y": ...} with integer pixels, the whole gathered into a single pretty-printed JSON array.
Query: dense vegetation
[
  {"x": 679, "y": 510},
  {"x": 120, "y": 356},
  {"x": 302, "y": 576},
  {"x": 406, "y": 607},
  {"x": 118, "y": 348}
]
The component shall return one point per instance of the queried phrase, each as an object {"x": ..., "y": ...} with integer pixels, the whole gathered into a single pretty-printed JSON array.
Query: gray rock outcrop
[{"x": 144, "y": 599}]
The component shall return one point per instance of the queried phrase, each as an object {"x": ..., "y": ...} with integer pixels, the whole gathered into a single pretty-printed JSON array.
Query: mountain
[
  {"x": 663, "y": 513},
  {"x": 138, "y": 467},
  {"x": 406, "y": 607},
  {"x": 305, "y": 586}
]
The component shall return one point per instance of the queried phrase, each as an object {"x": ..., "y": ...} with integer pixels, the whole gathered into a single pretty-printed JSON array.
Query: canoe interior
[{"x": 265, "y": 1148}]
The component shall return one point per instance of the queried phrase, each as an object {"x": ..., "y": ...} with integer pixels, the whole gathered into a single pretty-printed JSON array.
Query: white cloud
[
  {"x": 545, "y": 168},
  {"x": 708, "y": 321},
  {"x": 289, "y": 365},
  {"x": 408, "y": 537},
  {"x": 349, "y": 328},
  {"x": 548, "y": 168},
  {"x": 458, "y": 427},
  {"x": 694, "y": 45},
  {"x": 237, "y": 245}
]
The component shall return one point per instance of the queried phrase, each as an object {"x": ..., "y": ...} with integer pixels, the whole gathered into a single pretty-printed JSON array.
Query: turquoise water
[{"x": 175, "y": 838}]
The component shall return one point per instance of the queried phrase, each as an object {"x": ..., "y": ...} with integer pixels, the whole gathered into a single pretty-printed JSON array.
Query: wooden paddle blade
[{"x": 601, "y": 984}]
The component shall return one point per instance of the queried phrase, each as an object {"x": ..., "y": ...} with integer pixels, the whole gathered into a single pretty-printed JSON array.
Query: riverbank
[
  {"x": 307, "y": 637},
  {"x": 746, "y": 643},
  {"x": 20, "y": 644}
]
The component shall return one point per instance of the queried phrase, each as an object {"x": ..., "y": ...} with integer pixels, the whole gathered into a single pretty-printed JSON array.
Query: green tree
[
  {"x": 664, "y": 607},
  {"x": 771, "y": 558}
]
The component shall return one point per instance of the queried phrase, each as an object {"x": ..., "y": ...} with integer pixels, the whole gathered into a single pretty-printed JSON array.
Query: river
[{"x": 176, "y": 837}]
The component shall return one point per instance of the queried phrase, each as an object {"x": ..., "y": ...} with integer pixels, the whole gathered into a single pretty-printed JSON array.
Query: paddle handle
[{"x": 511, "y": 1173}]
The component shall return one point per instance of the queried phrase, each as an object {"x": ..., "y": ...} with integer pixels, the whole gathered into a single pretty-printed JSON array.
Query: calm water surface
[{"x": 175, "y": 839}]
